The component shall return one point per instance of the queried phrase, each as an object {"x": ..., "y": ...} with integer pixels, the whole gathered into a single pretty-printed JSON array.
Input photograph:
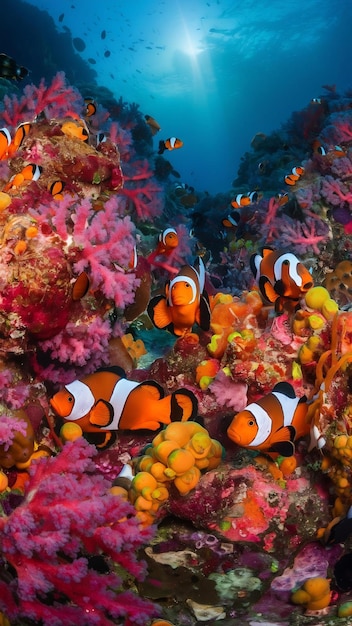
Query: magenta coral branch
[
  {"x": 335, "y": 191},
  {"x": 303, "y": 235},
  {"x": 66, "y": 517}
]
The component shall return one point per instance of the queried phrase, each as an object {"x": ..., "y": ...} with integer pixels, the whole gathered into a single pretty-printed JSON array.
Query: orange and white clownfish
[
  {"x": 56, "y": 188},
  {"x": 90, "y": 107},
  {"x": 153, "y": 124},
  {"x": 76, "y": 130},
  {"x": 28, "y": 173},
  {"x": 167, "y": 241},
  {"x": 244, "y": 199},
  {"x": 21, "y": 133},
  {"x": 106, "y": 401},
  {"x": 5, "y": 141},
  {"x": 231, "y": 220},
  {"x": 282, "y": 279},
  {"x": 185, "y": 302},
  {"x": 273, "y": 423},
  {"x": 295, "y": 175},
  {"x": 169, "y": 144}
]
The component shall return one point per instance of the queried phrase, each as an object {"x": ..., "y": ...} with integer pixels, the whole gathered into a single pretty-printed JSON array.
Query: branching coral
[
  {"x": 56, "y": 100},
  {"x": 66, "y": 518}
]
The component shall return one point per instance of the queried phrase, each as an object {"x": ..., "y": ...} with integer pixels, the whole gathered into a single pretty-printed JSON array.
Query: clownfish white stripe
[
  {"x": 165, "y": 233},
  {"x": 83, "y": 399},
  {"x": 292, "y": 268},
  {"x": 264, "y": 423},
  {"x": 183, "y": 279}
]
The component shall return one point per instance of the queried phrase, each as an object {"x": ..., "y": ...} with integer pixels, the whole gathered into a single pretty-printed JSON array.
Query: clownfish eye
[
  {"x": 250, "y": 422},
  {"x": 69, "y": 398},
  {"x": 187, "y": 285},
  {"x": 286, "y": 262}
]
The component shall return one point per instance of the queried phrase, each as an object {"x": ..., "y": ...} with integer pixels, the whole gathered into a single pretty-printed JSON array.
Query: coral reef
[{"x": 210, "y": 530}]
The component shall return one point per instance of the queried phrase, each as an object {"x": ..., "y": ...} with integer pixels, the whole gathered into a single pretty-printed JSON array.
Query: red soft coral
[{"x": 66, "y": 518}]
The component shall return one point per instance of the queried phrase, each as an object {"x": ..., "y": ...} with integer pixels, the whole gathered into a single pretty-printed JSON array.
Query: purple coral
[{"x": 66, "y": 518}]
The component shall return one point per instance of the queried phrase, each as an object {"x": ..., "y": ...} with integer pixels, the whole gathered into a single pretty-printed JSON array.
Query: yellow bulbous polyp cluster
[
  {"x": 178, "y": 455},
  {"x": 323, "y": 308},
  {"x": 314, "y": 594}
]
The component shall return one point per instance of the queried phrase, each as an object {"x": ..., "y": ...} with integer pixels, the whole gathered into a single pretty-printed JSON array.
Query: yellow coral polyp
[
  {"x": 5, "y": 200},
  {"x": 142, "y": 480},
  {"x": 180, "y": 461},
  {"x": 4, "y": 483},
  {"x": 316, "y": 322},
  {"x": 20, "y": 247},
  {"x": 188, "y": 481},
  {"x": 70, "y": 431},
  {"x": 340, "y": 441},
  {"x": 316, "y": 296},
  {"x": 178, "y": 432},
  {"x": 329, "y": 308},
  {"x": 157, "y": 470},
  {"x": 164, "y": 449},
  {"x": 31, "y": 231},
  {"x": 199, "y": 445}
]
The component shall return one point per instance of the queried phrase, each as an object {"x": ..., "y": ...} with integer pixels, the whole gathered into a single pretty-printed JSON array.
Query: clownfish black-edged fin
[
  {"x": 280, "y": 287},
  {"x": 101, "y": 440},
  {"x": 204, "y": 312},
  {"x": 285, "y": 388},
  {"x": 252, "y": 264},
  {"x": 184, "y": 406},
  {"x": 114, "y": 369},
  {"x": 101, "y": 414},
  {"x": 266, "y": 289},
  {"x": 283, "y": 434},
  {"x": 284, "y": 448},
  {"x": 154, "y": 387},
  {"x": 159, "y": 312}
]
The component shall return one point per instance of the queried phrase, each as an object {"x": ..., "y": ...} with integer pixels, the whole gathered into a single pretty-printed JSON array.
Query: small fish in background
[
  {"x": 295, "y": 175},
  {"x": 273, "y": 423},
  {"x": 337, "y": 531},
  {"x": 21, "y": 133},
  {"x": 105, "y": 401},
  {"x": 80, "y": 286},
  {"x": 56, "y": 188},
  {"x": 282, "y": 279},
  {"x": 244, "y": 199},
  {"x": 337, "y": 152},
  {"x": 185, "y": 302},
  {"x": 10, "y": 70},
  {"x": 231, "y": 220},
  {"x": 76, "y": 130},
  {"x": 90, "y": 107},
  {"x": 316, "y": 101},
  {"x": 167, "y": 241},
  {"x": 169, "y": 144},
  {"x": 153, "y": 124},
  {"x": 5, "y": 141},
  {"x": 282, "y": 198},
  {"x": 30, "y": 172}
]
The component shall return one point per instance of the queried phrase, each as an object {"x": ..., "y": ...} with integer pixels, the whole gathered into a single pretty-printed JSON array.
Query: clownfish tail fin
[{"x": 184, "y": 406}]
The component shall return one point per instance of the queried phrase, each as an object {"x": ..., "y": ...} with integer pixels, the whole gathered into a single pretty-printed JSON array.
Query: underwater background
[
  {"x": 212, "y": 73},
  {"x": 175, "y": 313}
]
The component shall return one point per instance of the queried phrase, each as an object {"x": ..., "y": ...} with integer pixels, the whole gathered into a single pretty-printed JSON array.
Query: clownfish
[
  {"x": 80, "y": 286},
  {"x": 21, "y": 133},
  {"x": 28, "y": 173},
  {"x": 75, "y": 130},
  {"x": 167, "y": 241},
  {"x": 5, "y": 141},
  {"x": 295, "y": 175},
  {"x": 281, "y": 277},
  {"x": 334, "y": 153},
  {"x": 90, "y": 107},
  {"x": 231, "y": 220},
  {"x": 56, "y": 188},
  {"x": 184, "y": 304},
  {"x": 106, "y": 401},
  {"x": 153, "y": 124},
  {"x": 273, "y": 423},
  {"x": 169, "y": 144},
  {"x": 338, "y": 530},
  {"x": 282, "y": 198}
]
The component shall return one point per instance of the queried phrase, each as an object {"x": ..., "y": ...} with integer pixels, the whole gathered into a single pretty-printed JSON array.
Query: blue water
[{"x": 213, "y": 73}]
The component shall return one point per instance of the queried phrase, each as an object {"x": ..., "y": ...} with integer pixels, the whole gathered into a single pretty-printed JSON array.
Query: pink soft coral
[
  {"x": 228, "y": 392},
  {"x": 66, "y": 518}
]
